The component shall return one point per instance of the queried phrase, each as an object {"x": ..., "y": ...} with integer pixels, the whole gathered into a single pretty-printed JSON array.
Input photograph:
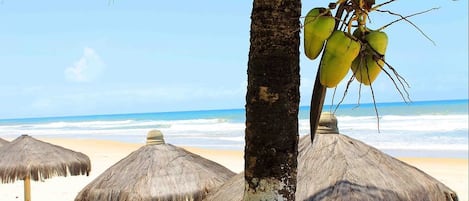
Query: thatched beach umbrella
[
  {"x": 337, "y": 167},
  {"x": 3, "y": 142},
  {"x": 27, "y": 158},
  {"x": 156, "y": 171}
]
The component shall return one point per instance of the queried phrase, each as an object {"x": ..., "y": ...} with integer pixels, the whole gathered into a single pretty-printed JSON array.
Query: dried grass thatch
[
  {"x": 356, "y": 171},
  {"x": 29, "y": 157},
  {"x": 231, "y": 190},
  {"x": 154, "y": 172},
  {"x": 3, "y": 142},
  {"x": 338, "y": 168}
]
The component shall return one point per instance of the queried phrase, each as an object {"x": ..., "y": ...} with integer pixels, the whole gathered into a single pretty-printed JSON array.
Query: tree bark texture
[{"x": 272, "y": 101}]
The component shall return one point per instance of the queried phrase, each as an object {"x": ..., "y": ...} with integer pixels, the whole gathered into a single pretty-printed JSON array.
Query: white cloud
[{"x": 87, "y": 68}]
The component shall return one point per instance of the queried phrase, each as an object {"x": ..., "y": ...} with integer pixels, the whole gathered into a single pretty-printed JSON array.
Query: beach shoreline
[{"x": 453, "y": 172}]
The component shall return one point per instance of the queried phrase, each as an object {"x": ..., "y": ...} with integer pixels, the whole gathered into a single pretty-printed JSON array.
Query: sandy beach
[{"x": 103, "y": 154}]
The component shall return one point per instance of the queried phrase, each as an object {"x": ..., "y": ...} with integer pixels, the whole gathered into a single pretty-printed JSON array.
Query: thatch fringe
[
  {"x": 26, "y": 156},
  {"x": 339, "y": 168},
  {"x": 157, "y": 173}
]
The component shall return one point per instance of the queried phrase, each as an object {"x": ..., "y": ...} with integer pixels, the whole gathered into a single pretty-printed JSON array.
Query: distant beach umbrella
[
  {"x": 157, "y": 171},
  {"x": 27, "y": 158},
  {"x": 3, "y": 142},
  {"x": 339, "y": 168}
]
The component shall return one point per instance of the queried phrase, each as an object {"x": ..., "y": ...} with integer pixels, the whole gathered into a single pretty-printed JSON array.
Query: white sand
[{"x": 103, "y": 154}]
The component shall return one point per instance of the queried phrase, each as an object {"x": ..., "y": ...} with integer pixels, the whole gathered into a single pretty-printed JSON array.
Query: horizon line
[{"x": 222, "y": 109}]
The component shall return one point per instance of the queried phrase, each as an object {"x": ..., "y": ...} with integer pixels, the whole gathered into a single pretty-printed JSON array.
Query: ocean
[{"x": 417, "y": 129}]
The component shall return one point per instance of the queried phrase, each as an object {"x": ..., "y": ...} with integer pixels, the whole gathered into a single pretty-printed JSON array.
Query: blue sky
[{"x": 100, "y": 57}]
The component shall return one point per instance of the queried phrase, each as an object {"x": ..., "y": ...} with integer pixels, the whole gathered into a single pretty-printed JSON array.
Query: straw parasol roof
[
  {"x": 3, "y": 142},
  {"x": 27, "y": 158},
  {"x": 157, "y": 171},
  {"x": 338, "y": 167}
]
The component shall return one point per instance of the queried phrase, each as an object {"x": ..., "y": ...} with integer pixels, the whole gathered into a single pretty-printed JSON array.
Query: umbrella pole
[{"x": 27, "y": 188}]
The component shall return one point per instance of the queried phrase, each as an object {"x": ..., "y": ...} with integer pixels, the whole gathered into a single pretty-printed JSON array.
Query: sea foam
[{"x": 413, "y": 130}]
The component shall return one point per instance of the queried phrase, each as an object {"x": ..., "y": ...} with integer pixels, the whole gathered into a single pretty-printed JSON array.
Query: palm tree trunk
[{"x": 272, "y": 101}]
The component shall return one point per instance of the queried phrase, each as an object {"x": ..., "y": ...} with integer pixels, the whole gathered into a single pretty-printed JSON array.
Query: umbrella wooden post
[{"x": 27, "y": 188}]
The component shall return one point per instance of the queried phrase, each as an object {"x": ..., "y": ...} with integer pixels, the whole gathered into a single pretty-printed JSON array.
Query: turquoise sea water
[{"x": 430, "y": 128}]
